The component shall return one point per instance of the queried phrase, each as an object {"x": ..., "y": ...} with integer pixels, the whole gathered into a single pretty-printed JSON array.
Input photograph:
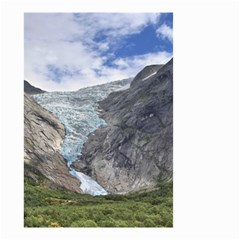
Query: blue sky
[{"x": 68, "y": 51}]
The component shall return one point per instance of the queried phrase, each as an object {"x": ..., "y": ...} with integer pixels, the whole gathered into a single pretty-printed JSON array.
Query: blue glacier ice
[
  {"x": 76, "y": 110},
  {"x": 88, "y": 185}
]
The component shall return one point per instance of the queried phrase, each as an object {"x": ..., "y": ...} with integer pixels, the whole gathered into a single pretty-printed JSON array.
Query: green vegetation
[{"x": 45, "y": 207}]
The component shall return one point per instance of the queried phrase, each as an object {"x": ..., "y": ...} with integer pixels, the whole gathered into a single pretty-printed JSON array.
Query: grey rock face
[
  {"x": 43, "y": 134},
  {"x": 135, "y": 148},
  {"x": 148, "y": 70},
  {"x": 30, "y": 89}
]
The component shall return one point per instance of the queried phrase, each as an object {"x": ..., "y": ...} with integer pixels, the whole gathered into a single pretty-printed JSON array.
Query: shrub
[
  {"x": 33, "y": 221},
  {"x": 149, "y": 223},
  {"x": 99, "y": 216},
  {"x": 137, "y": 224},
  {"x": 157, "y": 219},
  {"x": 107, "y": 211},
  {"x": 81, "y": 223},
  {"x": 107, "y": 223},
  {"x": 54, "y": 224},
  {"x": 45, "y": 207},
  {"x": 54, "y": 201},
  {"x": 121, "y": 223},
  {"x": 140, "y": 216}
]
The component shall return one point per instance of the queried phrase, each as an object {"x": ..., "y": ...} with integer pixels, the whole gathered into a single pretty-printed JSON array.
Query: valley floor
[{"x": 45, "y": 207}]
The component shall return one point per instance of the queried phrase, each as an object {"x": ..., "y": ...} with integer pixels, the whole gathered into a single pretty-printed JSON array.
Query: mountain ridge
[
  {"x": 130, "y": 153},
  {"x": 134, "y": 149},
  {"x": 31, "y": 90}
]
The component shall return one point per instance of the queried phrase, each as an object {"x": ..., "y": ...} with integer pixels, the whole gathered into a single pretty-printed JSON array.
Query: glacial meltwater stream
[{"x": 76, "y": 110}]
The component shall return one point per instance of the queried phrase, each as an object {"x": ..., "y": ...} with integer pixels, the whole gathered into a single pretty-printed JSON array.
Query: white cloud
[
  {"x": 165, "y": 32},
  {"x": 116, "y": 24},
  {"x": 140, "y": 61},
  {"x": 67, "y": 41},
  {"x": 124, "y": 68}
]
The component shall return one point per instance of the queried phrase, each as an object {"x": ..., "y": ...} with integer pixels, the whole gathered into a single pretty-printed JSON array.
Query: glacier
[
  {"x": 88, "y": 185},
  {"x": 76, "y": 110}
]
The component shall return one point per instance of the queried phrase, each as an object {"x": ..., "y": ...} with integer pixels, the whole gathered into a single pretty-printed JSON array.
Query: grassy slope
[{"x": 45, "y": 207}]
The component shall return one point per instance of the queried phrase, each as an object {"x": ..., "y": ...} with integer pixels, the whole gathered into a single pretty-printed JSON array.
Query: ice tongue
[{"x": 88, "y": 185}]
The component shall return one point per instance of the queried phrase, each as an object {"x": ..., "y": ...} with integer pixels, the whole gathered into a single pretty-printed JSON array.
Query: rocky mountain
[
  {"x": 147, "y": 72},
  {"x": 43, "y": 135},
  {"x": 30, "y": 89},
  {"x": 77, "y": 111},
  {"x": 134, "y": 149}
]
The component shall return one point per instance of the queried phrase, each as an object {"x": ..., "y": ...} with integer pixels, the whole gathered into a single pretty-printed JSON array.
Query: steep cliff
[
  {"x": 135, "y": 148},
  {"x": 43, "y": 134}
]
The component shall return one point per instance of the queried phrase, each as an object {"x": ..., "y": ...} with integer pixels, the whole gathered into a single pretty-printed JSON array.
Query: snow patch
[{"x": 149, "y": 76}]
